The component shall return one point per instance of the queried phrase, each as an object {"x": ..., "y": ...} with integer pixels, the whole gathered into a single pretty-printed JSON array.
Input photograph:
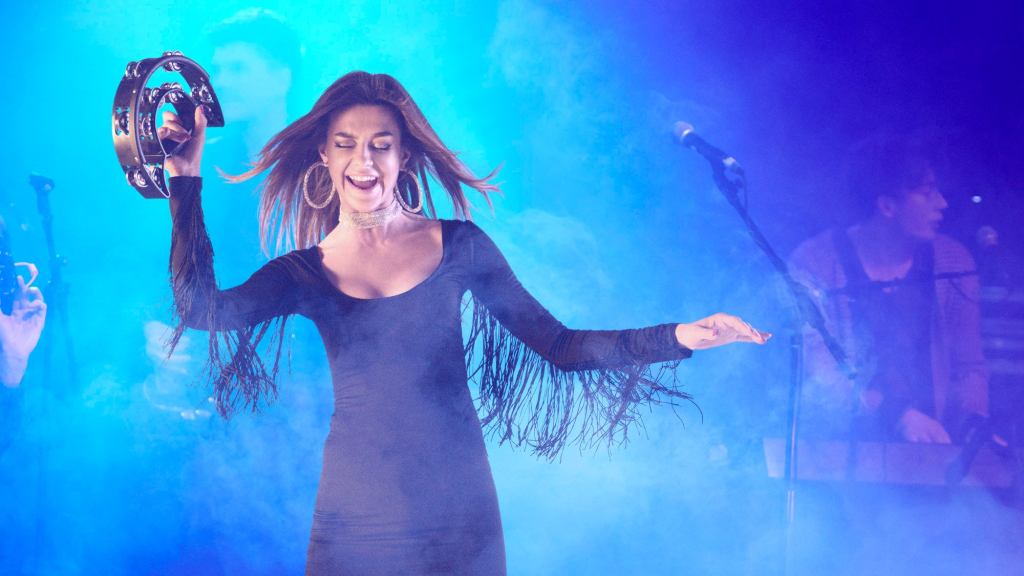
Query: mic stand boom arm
[{"x": 807, "y": 309}]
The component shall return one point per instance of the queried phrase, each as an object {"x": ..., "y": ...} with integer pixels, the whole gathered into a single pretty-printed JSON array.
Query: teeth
[{"x": 363, "y": 178}]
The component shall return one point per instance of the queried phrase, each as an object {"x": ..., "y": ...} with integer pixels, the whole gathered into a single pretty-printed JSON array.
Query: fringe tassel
[
  {"x": 524, "y": 399},
  {"x": 239, "y": 376}
]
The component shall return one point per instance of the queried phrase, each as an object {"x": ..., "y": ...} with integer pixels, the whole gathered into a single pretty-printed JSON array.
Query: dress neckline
[{"x": 318, "y": 255}]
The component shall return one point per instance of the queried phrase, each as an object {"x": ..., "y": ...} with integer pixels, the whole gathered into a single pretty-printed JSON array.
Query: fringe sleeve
[
  {"x": 237, "y": 319},
  {"x": 544, "y": 385}
]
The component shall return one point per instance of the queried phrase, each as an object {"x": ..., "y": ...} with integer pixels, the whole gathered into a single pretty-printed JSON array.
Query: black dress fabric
[{"x": 406, "y": 487}]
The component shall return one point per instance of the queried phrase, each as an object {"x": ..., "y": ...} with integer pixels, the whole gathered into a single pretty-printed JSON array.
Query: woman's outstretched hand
[
  {"x": 718, "y": 330},
  {"x": 187, "y": 160}
]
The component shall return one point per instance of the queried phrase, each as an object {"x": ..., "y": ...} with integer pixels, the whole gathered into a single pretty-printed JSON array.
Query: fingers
[
  {"x": 919, "y": 427},
  {"x": 29, "y": 301},
  {"x": 33, "y": 295},
  {"x": 930, "y": 436},
  {"x": 200, "y": 121},
  {"x": 199, "y": 132},
  {"x": 939, "y": 435},
  {"x": 172, "y": 128},
  {"x": 28, "y": 293},
  {"x": 932, "y": 431},
  {"x": 30, "y": 311},
  {"x": 167, "y": 133},
  {"x": 32, "y": 271},
  {"x": 169, "y": 118},
  {"x": 757, "y": 335},
  {"x": 744, "y": 332},
  {"x": 718, "y": 330}
]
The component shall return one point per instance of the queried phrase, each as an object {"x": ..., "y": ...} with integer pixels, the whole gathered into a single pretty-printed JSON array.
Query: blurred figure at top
[
  {"x": 254, "y": 64},
  {"x": 254, "y": 58},
  {"x": 902, "y": 298}
]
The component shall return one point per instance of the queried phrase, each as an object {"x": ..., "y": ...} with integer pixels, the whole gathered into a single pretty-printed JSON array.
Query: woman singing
[{"x": 406, "y": 487}]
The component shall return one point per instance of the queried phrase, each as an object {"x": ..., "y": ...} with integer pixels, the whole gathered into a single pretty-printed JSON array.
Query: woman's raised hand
[
  {"x": 718, "y": 330},
  {"x": 186, "y": 161}
]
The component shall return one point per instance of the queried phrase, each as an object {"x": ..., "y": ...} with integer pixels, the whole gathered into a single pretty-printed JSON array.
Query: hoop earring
[
  {"x": 305, "y": 188},
  {"x": 419, "y": 194}
]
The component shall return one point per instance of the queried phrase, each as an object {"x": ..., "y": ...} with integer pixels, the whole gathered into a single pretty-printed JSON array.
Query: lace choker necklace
[{"x": 372, "y": 219}]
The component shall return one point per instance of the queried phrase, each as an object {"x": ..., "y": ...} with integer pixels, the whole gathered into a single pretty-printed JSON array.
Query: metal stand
[
  {"x": 56, "y": 288},
  {"x": 796, "y": 371},
  {"x": 732, "y": 182},
  {"x": 57, "y": 311}
]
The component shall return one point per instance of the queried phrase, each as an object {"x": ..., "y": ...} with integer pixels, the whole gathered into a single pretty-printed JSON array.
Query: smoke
[{"x": 609, "y": 225}]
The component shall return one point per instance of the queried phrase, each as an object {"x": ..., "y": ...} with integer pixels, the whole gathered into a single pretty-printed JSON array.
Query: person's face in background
[
  {"x": 248, "y": 84},
  {"x": 916, "y": 208}
]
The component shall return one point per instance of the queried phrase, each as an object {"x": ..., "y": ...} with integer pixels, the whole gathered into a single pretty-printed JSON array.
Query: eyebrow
[{"x": 347, "y": 135}]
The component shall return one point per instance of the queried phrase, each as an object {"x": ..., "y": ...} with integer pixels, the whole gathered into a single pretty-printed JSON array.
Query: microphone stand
[
  {"x": 731, "y": 180},
  {"x": 57, "y": 288},
  {"x": 56, "y": 307}
]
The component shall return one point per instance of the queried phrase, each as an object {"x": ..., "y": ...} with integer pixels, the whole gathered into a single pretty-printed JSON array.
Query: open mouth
[{"x": 362, "y": 182}]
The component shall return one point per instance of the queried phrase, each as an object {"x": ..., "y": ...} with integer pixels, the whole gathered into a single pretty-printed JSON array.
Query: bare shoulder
[{"x": 425, "y": 229}]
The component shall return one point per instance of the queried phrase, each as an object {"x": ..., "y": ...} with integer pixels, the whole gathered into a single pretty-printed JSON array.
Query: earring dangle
[
  {"x": 305, "y": 188},
  {"x": 419, "y": 195}
]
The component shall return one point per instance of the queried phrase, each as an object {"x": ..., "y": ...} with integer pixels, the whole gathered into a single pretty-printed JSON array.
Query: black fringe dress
[{"x": 406, "y": 487}]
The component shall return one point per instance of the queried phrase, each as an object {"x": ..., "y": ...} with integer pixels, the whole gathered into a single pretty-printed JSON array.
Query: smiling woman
[{"x": 406, "y": 486}]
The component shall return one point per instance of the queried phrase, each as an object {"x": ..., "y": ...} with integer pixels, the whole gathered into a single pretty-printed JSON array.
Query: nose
[
  {"x": 940, "y": 200},
  {"x": 367, "y": 157}
]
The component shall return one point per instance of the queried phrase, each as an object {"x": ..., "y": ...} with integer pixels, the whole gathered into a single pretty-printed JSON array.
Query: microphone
[
  {"x": 987, "y": 237},
  {"x": 686, "y": 136},
  {"x": 992, "y": 264},
  {"x": 40, "y": 183},
  {"x": 978, "y": 432},
  {"x": 43, "y": 185}
]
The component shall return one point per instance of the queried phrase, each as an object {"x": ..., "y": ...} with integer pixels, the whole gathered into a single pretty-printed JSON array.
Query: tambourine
[{"x": 134, "y": 121}]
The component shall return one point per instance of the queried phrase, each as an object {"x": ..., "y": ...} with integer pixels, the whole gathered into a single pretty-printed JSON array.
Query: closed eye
[{"x": 380, "y": 147}]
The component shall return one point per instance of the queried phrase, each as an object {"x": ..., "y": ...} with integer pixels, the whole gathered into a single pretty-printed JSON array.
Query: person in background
[
  {"x": 19, "y": 332},
  {"x": 254, "y": 58},
  {"x": 22, "y": 318},
  {"x": 254, "y": 64},
  {"x": 21, "y": 324},
  {"x": 902, "y": 299}
]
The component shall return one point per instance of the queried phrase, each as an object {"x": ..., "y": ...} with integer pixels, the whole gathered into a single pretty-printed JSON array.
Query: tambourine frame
[{"x": 134, "y": 121}]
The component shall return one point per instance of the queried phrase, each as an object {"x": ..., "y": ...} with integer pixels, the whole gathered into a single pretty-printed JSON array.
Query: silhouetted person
[{"x": 903, "y": 300}]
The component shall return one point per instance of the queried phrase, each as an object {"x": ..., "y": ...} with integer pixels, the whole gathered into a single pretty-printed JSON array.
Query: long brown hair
[{"x": 283, "y": 213}]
